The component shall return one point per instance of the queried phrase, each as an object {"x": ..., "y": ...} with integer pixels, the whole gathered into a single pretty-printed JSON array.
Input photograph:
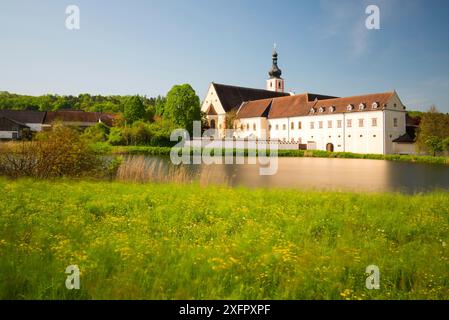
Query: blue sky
[{"x": 145, "y": 47}]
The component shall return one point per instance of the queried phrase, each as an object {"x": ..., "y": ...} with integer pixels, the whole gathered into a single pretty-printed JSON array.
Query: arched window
[
  {"x": 375, "y": 105},
  {"x": 350, "y": 107},
  {"x": 361, "y": 106},
  {"x": 212, "y": 124}
]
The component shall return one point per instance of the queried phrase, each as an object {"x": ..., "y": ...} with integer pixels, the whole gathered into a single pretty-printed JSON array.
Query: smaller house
[
  {"x": 10, "y": 129},
  {"x": 30, "y": 118},
  {"x": 15, "y": 122},
  {"x": 406, "y": 144}
]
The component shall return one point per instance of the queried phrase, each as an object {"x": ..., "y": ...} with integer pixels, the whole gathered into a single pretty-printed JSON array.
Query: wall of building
[
  {"x": 370, "y": 131},
  {"x": 36, "y": 127},
  {"x": 251, "y": 127},
  {"x": 7, "y": 134},
  {"x": 405, "y": 148},
  {"x": 323, "y": 129},
  {"x": 220, "y": 117}
]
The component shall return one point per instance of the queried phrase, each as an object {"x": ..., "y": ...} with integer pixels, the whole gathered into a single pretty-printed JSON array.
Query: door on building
[
  {"x": 330, "y": 147},
  {"x": 212, "y": 124},
  {"x": 311, "y": 145}
]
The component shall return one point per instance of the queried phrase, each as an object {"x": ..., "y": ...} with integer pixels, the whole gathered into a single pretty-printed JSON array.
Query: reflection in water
[{"x": 302, "y": 173}]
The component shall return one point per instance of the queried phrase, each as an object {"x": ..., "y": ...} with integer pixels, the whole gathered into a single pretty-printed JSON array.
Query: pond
[{"x": 300, "y": 173}]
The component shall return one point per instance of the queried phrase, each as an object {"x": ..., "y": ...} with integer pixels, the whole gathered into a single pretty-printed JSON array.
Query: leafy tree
[
  {"x": 446, "y": 144},
  {"x": 115, "y": 136},
  {"x": 160, "y": 105},
  {"x": 433, "y": 129},
  {"x": 96, "y": 133},
  {"x": 434, "y": 144},
  {"x": 182, "y": 106},
  {"x": 134, "y": 109}
]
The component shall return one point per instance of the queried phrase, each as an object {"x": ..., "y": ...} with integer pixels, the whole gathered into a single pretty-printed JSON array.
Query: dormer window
[
  {"x": 321, "y": 109},
  {"x": 350, "y": 107},
  {"x": 312, "y": 110},
  {"x": 361, "y": 106},
  {"x": 332, "y": 109},
  {"x": 375, "y": 105}
]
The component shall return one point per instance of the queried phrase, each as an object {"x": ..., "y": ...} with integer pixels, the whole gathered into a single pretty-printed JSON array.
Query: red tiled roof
[
  {"x": 301, "y": 105},
  {"x": 78, "y": 116}
]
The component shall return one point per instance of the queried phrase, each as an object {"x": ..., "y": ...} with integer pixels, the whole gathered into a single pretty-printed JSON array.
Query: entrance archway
[{"x": 330, "y": 147}]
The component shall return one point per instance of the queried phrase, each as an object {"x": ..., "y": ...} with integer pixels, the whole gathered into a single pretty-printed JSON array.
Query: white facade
[
  {"x": 370, "y": 131},
  {"x": 275, "y": 84},
  {"x": 216, "y": 121}
]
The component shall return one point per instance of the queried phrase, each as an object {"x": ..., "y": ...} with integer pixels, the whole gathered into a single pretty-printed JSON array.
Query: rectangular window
[
  {"x": 374, "y": 122},
  {"x": 395, "y": 122},
  {"x": 320, "y": 124},
  {"x": 329, "y": 124},
  {"x": 338, "y": 123},
  {"x": 299, "y": 125},
  {"x": 360, "y": 122},
  {"x": 277, "y": 127},
  {"x": 284, "y": 127},
  {"x": 312, "y": 125},
  {"x": 254, "y": 127},
  {"x": 349, "y": 124},
  {"x": 269, "y": 127},
  {"x": 292, "y": 125}
]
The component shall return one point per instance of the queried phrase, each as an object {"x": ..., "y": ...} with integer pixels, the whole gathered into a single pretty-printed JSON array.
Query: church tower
[{"x": 275, "y": 83}]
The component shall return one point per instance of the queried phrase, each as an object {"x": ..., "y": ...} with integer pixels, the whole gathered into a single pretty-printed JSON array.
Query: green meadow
[{"x": 171, "y": 241}]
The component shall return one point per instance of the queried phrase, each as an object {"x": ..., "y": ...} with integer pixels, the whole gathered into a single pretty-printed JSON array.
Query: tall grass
[{"x": 174, "y": 241}]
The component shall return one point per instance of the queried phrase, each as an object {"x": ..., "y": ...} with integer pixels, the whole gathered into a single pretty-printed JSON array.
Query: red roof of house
[{"x": 303, "y": 105}]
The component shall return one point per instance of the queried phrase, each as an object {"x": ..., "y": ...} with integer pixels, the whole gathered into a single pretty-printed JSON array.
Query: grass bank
[
  {"x": 144, "y": 150},
  {"x": 162, "y": 241}
]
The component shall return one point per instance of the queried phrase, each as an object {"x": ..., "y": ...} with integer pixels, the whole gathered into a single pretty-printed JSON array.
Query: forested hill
[{"x": 84, "y": 102}]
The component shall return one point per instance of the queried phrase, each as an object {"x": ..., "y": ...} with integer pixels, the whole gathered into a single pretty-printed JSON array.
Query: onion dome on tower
[{"x": 275, "y": 72}]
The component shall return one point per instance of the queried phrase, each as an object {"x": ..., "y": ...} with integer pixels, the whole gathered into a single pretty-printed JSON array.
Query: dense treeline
[{"x": 86, "y": 102}]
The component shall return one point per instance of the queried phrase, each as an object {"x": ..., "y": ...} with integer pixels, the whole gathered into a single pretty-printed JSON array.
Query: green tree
[
  {"x": 160, "y": 105},
  {"x": 434, "y": 144},
  {"x": 433, "y": 129},
  {"x": 182, "y": 106},
  {"x": 134, "y": 109},
  {"x": 446, "y": 144}
]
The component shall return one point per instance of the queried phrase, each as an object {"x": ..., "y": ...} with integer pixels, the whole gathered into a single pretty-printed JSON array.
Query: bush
[
  {"x": 116, "y": 137},
  {"x": 143, "y": 134},
  {"x": 96, "y": 133}
]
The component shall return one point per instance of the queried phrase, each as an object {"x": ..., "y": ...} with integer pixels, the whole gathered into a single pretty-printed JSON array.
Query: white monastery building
[{"x": 372, "y": 123}]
